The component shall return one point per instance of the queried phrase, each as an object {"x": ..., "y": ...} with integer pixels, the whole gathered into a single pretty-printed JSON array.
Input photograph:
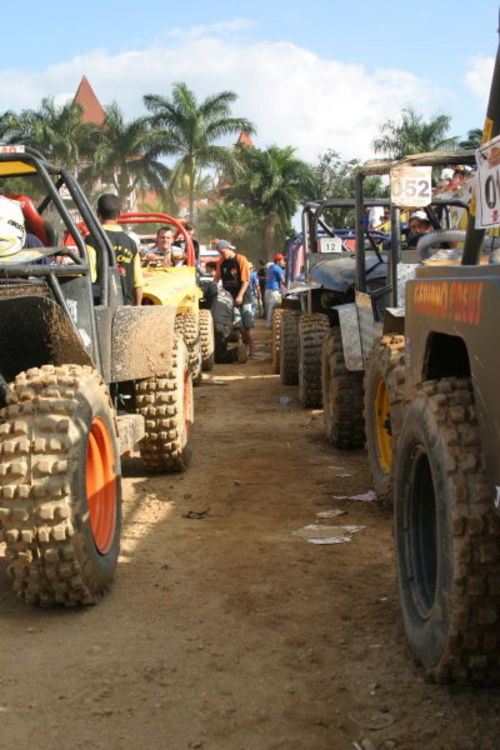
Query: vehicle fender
[
  {"x": 351, "y": 338},
  {"x": 338, "y": 274},
  {"x": 142, "y": 341}
]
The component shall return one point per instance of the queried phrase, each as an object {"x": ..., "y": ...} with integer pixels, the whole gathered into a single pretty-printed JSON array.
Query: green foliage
[
  {"x": 413, "y": 135},
  {"x": 57, "y": 132},
  {"x": 233, "y": 221},
  {"x": 271, "y": 183},
  {"x": 473, "y": 139},
  {"x": 126, "y": 156},
  {"x": 190, "y": 129},
  {"x": 335, "y": 178}
]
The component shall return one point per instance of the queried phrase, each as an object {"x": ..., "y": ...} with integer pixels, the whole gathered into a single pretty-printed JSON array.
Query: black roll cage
[
  {"x": 383, "y": 167},
  {"x": 53, "y": 179}
]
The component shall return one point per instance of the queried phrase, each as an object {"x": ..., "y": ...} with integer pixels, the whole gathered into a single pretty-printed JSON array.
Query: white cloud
[
  {"x": 293, "y": 96},
  {"x": 222, "y": 28},
  {"x": 478, "y": 77}
]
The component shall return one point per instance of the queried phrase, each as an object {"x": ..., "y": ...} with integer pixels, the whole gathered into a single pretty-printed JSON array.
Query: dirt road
[{"x": 229, "y": 632}]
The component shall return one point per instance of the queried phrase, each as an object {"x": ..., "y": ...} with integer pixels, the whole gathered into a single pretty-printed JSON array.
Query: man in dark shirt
[
  {"x": 226, "y": 319},
  {"x": 234, "y": 273},
  {"x": 126, "y": 251}
]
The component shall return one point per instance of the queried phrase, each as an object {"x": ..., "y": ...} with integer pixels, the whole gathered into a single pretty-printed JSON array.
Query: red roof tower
[
  {"x": 245, "y": 140},
  {"x": 90, "y": 104}
]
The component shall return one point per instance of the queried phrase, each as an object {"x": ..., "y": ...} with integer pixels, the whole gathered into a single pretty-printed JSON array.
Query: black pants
[{"x": 223, "y": 355}]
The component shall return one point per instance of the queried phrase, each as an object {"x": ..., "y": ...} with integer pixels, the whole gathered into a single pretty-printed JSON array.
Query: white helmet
[{"x": 12, "y": 231}]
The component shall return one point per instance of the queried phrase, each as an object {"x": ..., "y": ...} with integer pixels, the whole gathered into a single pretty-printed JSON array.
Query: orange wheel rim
[
  {"x": 101, "y": 485},
  {"x": 382, "y": 426}
]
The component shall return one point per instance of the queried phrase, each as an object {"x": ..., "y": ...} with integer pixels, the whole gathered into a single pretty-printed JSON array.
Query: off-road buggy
[{"x": 83, "y": 381}]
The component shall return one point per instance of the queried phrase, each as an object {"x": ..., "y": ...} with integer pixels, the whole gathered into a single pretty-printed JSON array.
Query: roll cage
[{"x": 437, "y": 211}]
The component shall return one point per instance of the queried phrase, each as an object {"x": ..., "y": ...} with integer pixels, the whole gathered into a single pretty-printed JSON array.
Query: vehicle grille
[{"x": 23, "y": 288}]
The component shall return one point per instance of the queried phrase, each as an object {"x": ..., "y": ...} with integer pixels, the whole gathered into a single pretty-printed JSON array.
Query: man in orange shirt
[{"x": 234, "y": 273}]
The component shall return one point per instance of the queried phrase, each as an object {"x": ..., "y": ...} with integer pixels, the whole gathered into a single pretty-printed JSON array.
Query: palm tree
[
  {"x": 229, "y": 219},
  {"x": 473, "y": 140},
  {"x": 126, "y": 156},
  {"x": 57, "y": 131},
  {"x": 272, "y": 183},
  {"x": 413, "y": 135},
  {"x": 190, "y": 131}
]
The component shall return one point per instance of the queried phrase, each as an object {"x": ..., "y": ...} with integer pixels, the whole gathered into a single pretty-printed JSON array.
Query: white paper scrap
[{"x": 319, "y": 534}]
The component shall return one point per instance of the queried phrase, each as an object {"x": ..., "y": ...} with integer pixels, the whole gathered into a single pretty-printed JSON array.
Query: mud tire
[
  {"x": 166, "y": 403},
  {"x": 383, "y": 411},
  {"x": 311, "y": 332},
  {"x": 342, "y": 395},
  {"x": 289, "y": 335},
  {"x": 207, "y": 340},
  {"x": 275, "y": 338},
  {"x": 188, "y": 325},
  {"x": 58, "y": 436},
  {"x": 447, "y": 537}
]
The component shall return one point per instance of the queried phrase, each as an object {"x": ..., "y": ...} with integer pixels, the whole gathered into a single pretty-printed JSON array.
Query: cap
[
  {"x": 224, "y": 245},
  {"x": 278, "y": 256},
  {"x": 447, "y": 173},
  {"x": 419, "y": 215}
]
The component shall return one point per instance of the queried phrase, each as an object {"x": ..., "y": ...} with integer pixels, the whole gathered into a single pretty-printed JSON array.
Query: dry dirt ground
[{"x": 229, "y": 632}]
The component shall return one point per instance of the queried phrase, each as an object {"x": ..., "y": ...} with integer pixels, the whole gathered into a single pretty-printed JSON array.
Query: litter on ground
[
  {"x": 367, "y": 497},
  {"x": 318, "y": 534},
  {"x": 331, "y": 513}
]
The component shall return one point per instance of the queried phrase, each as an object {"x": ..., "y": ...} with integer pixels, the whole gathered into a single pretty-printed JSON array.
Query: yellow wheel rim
[{"x": 383, "y": 426}]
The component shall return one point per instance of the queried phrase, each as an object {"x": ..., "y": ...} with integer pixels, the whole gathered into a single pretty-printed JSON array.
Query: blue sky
[{"x": 312, "y": 74}]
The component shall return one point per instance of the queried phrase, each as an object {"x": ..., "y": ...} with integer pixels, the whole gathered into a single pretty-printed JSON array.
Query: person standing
[
  {"x": 126, "y": 252},
  {"x": 275, "y": 281},
  {"x": 261, "y": 275},
  {"x": 234, "y": 273}
]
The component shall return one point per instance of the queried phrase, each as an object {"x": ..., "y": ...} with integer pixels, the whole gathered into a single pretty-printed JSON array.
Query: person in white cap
[{"x": 418, "y": 225}]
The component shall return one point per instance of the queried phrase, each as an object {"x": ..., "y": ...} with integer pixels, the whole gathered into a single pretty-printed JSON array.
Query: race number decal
[
  {"x": 411, "y": 186},
  {"x": 330, "y": 245},
  {"x": 488, "y": 184}
]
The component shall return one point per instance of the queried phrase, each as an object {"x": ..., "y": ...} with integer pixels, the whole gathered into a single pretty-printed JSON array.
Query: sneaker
[{"x": 241, "y": 353}]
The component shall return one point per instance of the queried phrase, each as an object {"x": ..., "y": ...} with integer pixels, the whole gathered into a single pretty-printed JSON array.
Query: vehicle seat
[{"x": 35, "y": 222}]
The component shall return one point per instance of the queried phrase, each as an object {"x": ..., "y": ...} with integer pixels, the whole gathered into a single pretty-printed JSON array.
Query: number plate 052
[{"x": 411, "y": 186}]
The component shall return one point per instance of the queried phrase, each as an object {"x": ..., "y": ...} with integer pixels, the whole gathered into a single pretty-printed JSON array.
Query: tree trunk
[
  {"x": 270, "y": 223},
  {"x": 192, "y": 181}
]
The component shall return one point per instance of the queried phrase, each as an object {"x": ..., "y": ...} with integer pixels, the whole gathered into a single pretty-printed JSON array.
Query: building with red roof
[{"x": 92, "y": 110}]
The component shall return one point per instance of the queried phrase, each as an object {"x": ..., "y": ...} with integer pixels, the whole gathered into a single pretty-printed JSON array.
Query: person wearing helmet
[
  {"x": 12, "y": 229},
  {"x": 16, "y": 244}
]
